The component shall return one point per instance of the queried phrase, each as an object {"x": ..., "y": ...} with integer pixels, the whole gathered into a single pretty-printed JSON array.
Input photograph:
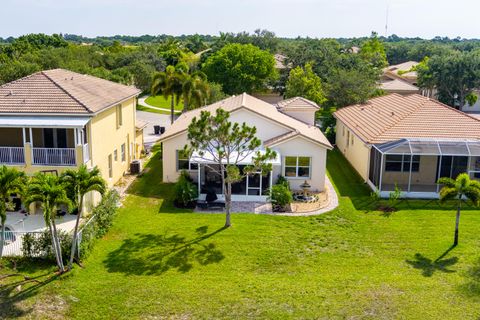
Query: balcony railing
[
  {"x": 12, "y": 155},
  {"x": 54, "y": 156}
]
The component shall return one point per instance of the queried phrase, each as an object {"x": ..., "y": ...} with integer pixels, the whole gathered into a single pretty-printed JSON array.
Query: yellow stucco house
[
  {"x": 57, "y": 119},
  {"x": 408, "y": 141}
]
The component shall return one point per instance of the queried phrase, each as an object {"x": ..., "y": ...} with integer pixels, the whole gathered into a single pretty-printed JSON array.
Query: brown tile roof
[
  {"x": 63, "y": 92},
  {"x": 398, "y": 86},
  {"x": 405, "y": 67},
  {"x": 393, "y": 117},
  {"x": 255, "y": 105},
  {"x": 297, "y": 103}
]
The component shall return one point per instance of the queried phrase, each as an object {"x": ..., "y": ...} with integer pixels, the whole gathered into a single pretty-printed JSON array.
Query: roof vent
[
  {"x": 393, "y": 113},
  {"x": 362, "y": 108},
  {"x": 10, "y": 93},
  {"x": 72, "y": 78}
]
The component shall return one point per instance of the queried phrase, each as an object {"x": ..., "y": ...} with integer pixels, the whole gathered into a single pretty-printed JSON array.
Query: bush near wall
[
  {"x": 103, "y": 215},
  {"x": 40, "y": 246}
]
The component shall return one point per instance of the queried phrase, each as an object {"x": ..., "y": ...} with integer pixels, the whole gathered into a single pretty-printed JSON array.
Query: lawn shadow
[
  {"x": 429, "y": 266},
  {"x": 472, "y": 287},
  {"x": 13, "y": 292},
  {"x": 154, "y": 254}
]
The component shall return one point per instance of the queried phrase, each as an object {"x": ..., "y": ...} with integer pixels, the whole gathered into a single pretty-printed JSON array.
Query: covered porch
[
  {"x": 415, "y": 165},
  {"x": 253, "y": 187},
  {"x": 44, "y": 141}
]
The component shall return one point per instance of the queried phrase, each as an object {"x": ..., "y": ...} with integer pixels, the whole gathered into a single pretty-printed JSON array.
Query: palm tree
[
  {"x": 11, "y": 181},
  {"x": 460, "y": 188},
  {"x": 169, "y": 84},
  {"x": 195, "y": 90},
  {"x": 48, "y": 190},
  {"x": 80, "y": 182}
]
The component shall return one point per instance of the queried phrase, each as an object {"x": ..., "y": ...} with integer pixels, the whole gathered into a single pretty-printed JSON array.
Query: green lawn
[
  {"x": 161, "y": 102},
  {"x": 352, "y": 263}
]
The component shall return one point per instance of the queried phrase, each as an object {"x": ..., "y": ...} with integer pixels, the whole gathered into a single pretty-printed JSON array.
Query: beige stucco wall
[
  {"x": 425, "y": 176},
  {"x": 169, "y": 156},
  {"x": 357, "y": 153},
  {"x": 301, "y": 147},
  {"x": 306, "y": 116},
  {"x": 266, "y": 129},
  {"x": 105, "y": 137},
  {"x": 138, "y": 143}
]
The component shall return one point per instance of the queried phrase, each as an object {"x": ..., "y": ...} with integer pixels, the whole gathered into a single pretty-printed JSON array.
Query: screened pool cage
[{"x": 415, "y": 165}]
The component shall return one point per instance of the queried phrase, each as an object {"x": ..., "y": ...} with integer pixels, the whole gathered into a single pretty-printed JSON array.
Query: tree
[
  {"x": 11, "y": 181},
  {"x": 305, "y": 83},
  {"x": 373, "y": 51},
  {"x": 195, "y": 90},
  {"x": 228, "y": 144},
  {"x": 454, "y": 76},
  {"x": 458, "y": 189},
  {"x": 169, "y": 84},
  {"x": 48, "y": 190},
  {"x": 80, "y": 182},
  {"x": 240, "y": 68}
]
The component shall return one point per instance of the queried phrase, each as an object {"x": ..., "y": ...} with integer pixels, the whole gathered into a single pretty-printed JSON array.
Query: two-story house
[{"x": 57, "y": 119}]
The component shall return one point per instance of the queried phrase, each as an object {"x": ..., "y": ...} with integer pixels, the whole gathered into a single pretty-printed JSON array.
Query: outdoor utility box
[{"x": 135, "y": 167}]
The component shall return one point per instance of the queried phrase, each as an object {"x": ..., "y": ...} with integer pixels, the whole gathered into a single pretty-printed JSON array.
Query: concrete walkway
[
  {"x": 332, "y": 203},
  {"x": 266, "y": 208},
  {"x": 142, "y": 102}
]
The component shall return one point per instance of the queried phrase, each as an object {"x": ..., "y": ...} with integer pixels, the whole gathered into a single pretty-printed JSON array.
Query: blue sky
[{"x": 289, "y": 18}]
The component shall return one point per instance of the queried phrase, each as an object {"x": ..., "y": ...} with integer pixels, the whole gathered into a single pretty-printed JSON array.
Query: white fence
[
  {"x": 12, "y": 155},
  {"x": 14, "y": 242},
  {"x": 54, "y": 156}
]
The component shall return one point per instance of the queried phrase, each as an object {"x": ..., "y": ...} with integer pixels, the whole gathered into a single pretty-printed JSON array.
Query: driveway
[{"x": 152, "y": 119}]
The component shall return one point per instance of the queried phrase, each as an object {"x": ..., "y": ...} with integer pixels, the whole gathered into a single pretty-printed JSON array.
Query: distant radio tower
[{"x": 386, "y": 23}]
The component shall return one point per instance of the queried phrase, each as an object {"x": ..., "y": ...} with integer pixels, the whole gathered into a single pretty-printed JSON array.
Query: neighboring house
[
  {"x": 271, "y": 95},
  {"x": 408, "y": 141},
  {"x": 473, "y": 110},
  {"x": 301, "y": 148},
  {"x": 400, "y": 79},
  {"x": 57, "y": 119},
  {"x": 404, "y": 71}
]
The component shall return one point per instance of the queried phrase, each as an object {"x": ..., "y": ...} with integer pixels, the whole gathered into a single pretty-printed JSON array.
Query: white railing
[
  {"x": 54, "y": 156},
  {"x": 12, "y": 155},
  {"x": 14, "y": 242},
  {"x": 86, "y": 153}
]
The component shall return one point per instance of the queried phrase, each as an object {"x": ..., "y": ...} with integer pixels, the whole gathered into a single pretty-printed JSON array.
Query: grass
[
  {"x": 161, "y": 102},
  {"x": 161, "y": 262},
  {"x": 147, "y": 109}
]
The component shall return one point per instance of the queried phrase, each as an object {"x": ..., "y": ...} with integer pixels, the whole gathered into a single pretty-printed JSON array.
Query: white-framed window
[
  {"x": 122, "y": 152},
  {"x": 297, "y": 167},
  {"x": 119, "y": 115},
  {"x": 183, "y": 162},
  {"x": 115, "y": 155},
  {"x": 110, "y": 166},
  {"x": 401, "y": 163}
]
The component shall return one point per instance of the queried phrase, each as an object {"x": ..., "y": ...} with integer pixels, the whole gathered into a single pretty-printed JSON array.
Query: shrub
[
  {"x": 280, "y": 196},
  {"x": 36, "y": 245},
  {"x": 103, "y": 214},
  {"x": 281, "y": 180},
  {"x": 394, "y": 196},
  {"x": 185, "y": 191}
]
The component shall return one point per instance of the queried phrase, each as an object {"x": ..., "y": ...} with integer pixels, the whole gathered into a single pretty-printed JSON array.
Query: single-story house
[
  {"x": 400, "y": 78},
  {"x": 408, "y": 141},
  {"x": 286, "y": 128}
]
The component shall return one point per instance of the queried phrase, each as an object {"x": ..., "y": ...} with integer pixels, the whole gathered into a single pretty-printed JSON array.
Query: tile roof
[
  {"x": 140, "y": 124},
  {"x": 397, "y": 85},
  {"x": 405, "y": 66},
  {"x": 393, "y": 117},
  {"x": 255, "y": 105},
  {"x": 297, "y": 103},
  {"x": 279, "y": 61},
  {"x": 63, "y": 92}
]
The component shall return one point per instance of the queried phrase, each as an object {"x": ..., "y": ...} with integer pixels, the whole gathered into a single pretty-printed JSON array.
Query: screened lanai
[{"x": 415, "y": 165}]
